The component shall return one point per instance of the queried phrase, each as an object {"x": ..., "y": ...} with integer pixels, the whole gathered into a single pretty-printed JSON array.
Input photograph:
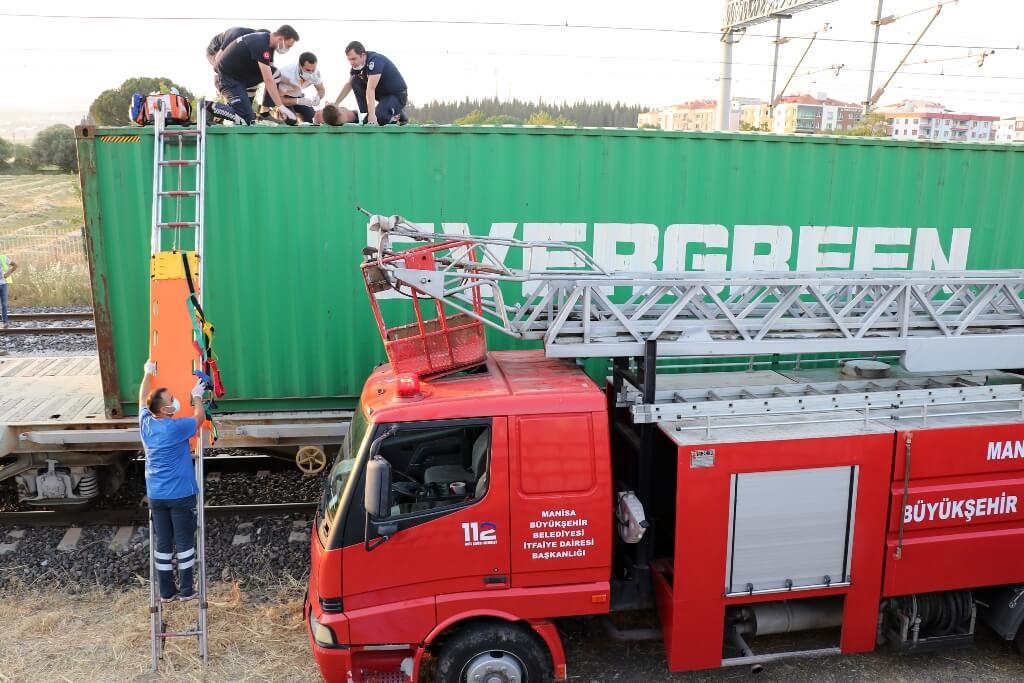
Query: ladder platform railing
[{"x": 938, "y": 320}]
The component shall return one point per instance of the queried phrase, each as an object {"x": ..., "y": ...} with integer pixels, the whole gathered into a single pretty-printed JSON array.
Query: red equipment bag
[{"x": 176, "y": 107}]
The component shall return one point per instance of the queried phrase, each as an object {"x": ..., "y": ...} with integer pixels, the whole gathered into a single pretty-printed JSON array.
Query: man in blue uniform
[
  {"x": 170, "y": 481},
  {"x": 380, "y": 90},
  {"x": 243, "y": 64}
]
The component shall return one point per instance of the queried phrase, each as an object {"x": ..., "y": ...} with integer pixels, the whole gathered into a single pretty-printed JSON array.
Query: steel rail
[
  {"x": 50, "y": 316},
  {"x": 47, "y": 330},
  {"x": 75, "y": 516}
]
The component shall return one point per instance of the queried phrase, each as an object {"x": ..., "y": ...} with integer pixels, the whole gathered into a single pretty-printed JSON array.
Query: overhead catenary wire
[
  {"x": 539, "y": 55},
  {"x": 481, "y": 23}
]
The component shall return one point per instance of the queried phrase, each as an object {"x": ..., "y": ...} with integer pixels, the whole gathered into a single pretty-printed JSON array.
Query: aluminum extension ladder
[{"x": 190, "y": 147}]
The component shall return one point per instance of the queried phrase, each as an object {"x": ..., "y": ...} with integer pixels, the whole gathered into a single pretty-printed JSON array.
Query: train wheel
[{"x": 311, "y": 460}]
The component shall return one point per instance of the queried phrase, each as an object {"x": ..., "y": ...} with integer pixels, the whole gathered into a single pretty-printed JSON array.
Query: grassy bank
[
  {"x": 41, "y": 228},
  {"x": 97, "y": 636}
]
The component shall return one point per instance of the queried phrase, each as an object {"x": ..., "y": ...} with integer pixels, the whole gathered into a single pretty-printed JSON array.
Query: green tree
[
  {"x": 6, "y": 153},
  {"x": 502, "y": 120},
  {"x": 473, "y": 118},
  {"x": 110, "y": 108},
  {"x": 544, "y": 118},
  {"x": 55, "y": 146},
  {"x": 584, "y": 113},
  {"x": 874, "y": 125},
  {"x": 24, "y": 158}
]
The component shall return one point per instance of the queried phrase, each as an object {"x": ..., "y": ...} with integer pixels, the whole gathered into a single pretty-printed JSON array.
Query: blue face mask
[{"x": 308, "y": 76}]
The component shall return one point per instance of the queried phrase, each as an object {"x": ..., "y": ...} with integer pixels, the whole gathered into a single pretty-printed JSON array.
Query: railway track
[
  {"x": 52, "y": 324},
  {"x": 139, "y": 515},
  {"x": 48, "y": 330},
  {"x": 49, "y": 317}
]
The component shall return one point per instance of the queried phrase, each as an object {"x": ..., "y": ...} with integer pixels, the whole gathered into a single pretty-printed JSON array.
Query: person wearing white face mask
[
  {"x": 170, "y": 480},
  {"x": 244, "y": 64},
  {"x": 294, "y": 78},
  {"x": 380, "y": 90}
]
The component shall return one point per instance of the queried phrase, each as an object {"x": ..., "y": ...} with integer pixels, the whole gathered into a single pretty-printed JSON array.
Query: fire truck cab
[{"x": 497, "y": 517}]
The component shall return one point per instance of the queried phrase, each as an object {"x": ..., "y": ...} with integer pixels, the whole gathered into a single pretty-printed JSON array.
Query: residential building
[
  {"x": 694, "y": 115},
  {"x": 924, "y": 120},
  {"x": 913, "y": 107},
  {"x": 1009, "y": 130},
  {"x": 808, "y": 114},
  {"x": 649, "y": 119},
  {"x": 756, "y": 116},
  {"x": 736, "y": 110}
]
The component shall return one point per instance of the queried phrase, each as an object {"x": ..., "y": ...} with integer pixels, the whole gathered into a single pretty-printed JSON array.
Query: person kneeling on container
[{"x": 170, "y": 481}]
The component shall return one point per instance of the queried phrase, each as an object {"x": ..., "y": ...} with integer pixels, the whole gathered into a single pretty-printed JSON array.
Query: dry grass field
[
  {"x": 101, "y": 637},
  {"x": 41, "y": 228}
]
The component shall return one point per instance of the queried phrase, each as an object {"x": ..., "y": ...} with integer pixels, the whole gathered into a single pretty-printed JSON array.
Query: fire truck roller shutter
[{"x": 443, "y": 474}]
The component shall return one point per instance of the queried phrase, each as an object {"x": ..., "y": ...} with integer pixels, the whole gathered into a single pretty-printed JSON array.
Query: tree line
[
  {"x": 494, "y": 111},
  {"x": 53, "y": 146}
]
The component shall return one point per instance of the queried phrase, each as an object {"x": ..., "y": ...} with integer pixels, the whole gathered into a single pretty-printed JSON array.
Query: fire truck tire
[
  {"x": 1019, "y": 640},
  {"x": 506, "y": 651}
]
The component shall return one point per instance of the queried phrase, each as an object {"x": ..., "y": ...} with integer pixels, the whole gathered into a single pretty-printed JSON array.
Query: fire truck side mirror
[
  {"x": 378, "y": 488},
  {"x": 377, "y": 495}
]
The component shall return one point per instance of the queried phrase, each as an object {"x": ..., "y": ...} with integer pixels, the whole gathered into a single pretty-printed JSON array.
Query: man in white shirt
[{"x": 294, "y": 79}]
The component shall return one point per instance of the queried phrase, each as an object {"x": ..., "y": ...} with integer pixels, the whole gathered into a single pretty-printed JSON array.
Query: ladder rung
[
  {"x": 178, "y": 634},
  {"x": 180, "y": 162},
  {"x": 180, "y": 133},
  {"x": 178, "y": 224},
  {"x": 180, "y": 193}
]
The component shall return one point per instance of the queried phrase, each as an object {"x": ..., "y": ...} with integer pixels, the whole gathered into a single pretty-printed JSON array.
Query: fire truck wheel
[
  {"x": 1019, "y": 640},
  {"x": 503, "y": 653}
]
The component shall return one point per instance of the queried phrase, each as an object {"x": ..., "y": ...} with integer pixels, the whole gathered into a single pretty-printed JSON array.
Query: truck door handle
[
  {"x": 495, "y": 580},
  {"x": 903, "y": 503}
]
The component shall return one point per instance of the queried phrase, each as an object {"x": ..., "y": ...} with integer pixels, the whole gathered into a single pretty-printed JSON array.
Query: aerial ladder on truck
[
  {"x": 181, "y": 337},
  {"x": 949, "y": 324}
]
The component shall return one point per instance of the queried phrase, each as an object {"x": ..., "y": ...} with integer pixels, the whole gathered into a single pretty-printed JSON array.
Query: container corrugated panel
[{"x": 283, "y": 238}]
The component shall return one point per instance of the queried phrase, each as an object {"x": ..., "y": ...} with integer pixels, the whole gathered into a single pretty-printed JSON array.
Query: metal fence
[{"x": 66, "y": 245}]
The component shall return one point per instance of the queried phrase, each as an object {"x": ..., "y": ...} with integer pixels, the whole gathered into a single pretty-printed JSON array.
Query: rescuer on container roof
[
  {"x": 170, "y": 481},
  {"x": 242, "y": 65},
  {"x": 380, "y": 90},
  {"x": 294, "y": 79},
  {"x": 225, "y": 38},
  {"x": 216, "y": 48}
]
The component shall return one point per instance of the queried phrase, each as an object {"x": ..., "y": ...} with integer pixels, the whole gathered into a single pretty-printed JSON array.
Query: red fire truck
[{"x": 480, "y": 497}]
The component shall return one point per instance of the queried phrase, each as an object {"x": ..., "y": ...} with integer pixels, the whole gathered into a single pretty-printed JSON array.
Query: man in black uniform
[
  {"x": 225, "y": 38},
  {"x": 243, "y": 64},
  {"x": 380, "y": 90},
  {"x": 214, "y": 51}
]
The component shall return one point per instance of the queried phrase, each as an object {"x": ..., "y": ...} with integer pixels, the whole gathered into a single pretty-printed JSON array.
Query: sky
[{"x": 652, "y": 53}]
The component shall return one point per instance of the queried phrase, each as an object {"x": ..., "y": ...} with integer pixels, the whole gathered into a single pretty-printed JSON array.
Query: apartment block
[{"x": 808, "y": 114}]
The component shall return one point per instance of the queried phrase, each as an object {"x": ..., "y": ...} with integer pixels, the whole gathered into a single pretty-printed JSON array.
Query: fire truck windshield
[{"x": 334, "y": 486}]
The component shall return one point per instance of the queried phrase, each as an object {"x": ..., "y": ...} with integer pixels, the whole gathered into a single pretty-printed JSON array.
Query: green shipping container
[{"x": 284, "y": 240}]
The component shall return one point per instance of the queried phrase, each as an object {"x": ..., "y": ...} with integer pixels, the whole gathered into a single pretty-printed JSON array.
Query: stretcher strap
[{"x": 204, "y": 330}]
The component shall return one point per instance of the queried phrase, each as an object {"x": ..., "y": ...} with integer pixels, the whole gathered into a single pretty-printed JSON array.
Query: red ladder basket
[{"x": 441, "y": 344}]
